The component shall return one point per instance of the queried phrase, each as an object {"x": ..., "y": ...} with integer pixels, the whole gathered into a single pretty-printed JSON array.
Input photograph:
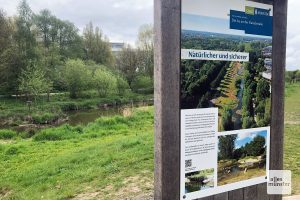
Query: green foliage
[
  {"x": 142, "y": 84},
  {"x": 97, "y": 46},
  {"x": 263, "y": 90},
  {"x": 127, "y": 63},
  {"x": 226, "y": 146},
  {"x": 122, "y": 85},
  {"x": 77, "y": 77},
  {"x": 256, "y": 147},
  {"x": 292, "y": 76},
  {"x": 104, "y": 82},
  {"x": 145, "y": 52},
  {"x": 248, "y": 122},
  {"x": 6, "y": 134},
  {"x": 227, "y": 122},
  {"x": 33, "y": 82},
  {"x": 198, "y": 78}
]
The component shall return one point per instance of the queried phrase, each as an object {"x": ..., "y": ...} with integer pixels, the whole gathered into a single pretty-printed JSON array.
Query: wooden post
[
  {"x": 167, "y": 122},
  {"x": 167, "y": 24}
]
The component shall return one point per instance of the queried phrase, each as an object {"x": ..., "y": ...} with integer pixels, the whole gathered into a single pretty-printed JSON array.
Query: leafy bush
[
  {"x": 122, "y": 85},
  {"x": 77, "y": 77},
  {"x": 142, "y": 84},
  {"x": 6, "y": 134},
  {"x": 104, "y": 82}
]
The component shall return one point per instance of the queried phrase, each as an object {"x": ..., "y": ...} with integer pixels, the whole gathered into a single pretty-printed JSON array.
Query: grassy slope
[
  {"x": 106, "y": 153},
  {"x": 292, "y": 134},
  {"x": 103, "y": 158}
]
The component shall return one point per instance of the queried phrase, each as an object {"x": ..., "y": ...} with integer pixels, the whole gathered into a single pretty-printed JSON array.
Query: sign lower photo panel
[{"x": 225, "y": 97}]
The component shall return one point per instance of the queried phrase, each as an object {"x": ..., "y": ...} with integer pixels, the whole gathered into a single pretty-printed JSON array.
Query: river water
[
  {"x": 83, "y": 117},
  {"x": 237, "y": 112}
]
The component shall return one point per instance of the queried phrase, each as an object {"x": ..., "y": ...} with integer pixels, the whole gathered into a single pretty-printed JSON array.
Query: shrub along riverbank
[
  {"x": 14, "y": 112},
  {"x": 63, "y": 162}
]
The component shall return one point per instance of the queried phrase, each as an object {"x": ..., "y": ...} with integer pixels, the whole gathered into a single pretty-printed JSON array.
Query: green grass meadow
[
  {"x": 59, "y": 163},
  {"x": 111, "y": 158},
  {"x": 292, "y": 134}
]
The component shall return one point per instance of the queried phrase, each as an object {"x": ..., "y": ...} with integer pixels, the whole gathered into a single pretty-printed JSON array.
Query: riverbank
[
  {"x": 19, "y": 113},
  {"x": 110, "y": 157}
]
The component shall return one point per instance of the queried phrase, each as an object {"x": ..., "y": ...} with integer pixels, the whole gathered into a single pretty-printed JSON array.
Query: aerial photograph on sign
[
  {"x": 241, "y": 156},
  {"x": 225, "y": 95},
  {"x": 241, "y": 89}
]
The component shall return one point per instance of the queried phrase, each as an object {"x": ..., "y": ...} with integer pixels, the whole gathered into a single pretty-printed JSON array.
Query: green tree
[
  {"x": 33, "y": 82},
  {"x": 142, "y": 84},
  {"x": 8, "y": 55},
  {"x": 24, "y": 36},
  {"x": 262, "y": 90},
  {"x": 248, "y": 121},
  {"x": 227, "y": 122},
  {"x": 122, "y": 85},
  {"x": 127, "y": 63},
  {"x": 97, "y": 46},
  {"x": 256, "y": 147},
  {"x": 105, "y": 82},
  {"x": 145, "y": 50},
  {"x": 77, "y": 77},
  {"x": 227, "y": 146}
]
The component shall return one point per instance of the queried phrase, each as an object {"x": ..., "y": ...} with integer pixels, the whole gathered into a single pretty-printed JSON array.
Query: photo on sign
[
  {"x": 240, "y": 90},
  {"x": 199, "y": 180},
  {"x": 241, "y": 156},
  {"x": 225, "y": 94}
]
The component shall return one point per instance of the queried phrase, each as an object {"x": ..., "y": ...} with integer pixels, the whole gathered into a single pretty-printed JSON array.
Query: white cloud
[
  {"x": 293, "y": 38},
  {"x": 118, "y": 19},
  {"x": 242, "y": 136}
]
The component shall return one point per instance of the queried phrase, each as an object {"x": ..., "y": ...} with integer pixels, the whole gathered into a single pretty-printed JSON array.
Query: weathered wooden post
[{"x": 173, "y": 115}]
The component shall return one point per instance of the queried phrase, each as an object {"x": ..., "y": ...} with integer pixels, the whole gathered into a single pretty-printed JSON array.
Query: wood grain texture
[
  {"x": 250, "y": 193},
  {"x": 262, "y": 192},
  {"x": 236, "y": 194},
  {"x": 278, "y": 81},
  {"x": 222, "y": 196},
  {"x": 167, "y": 135}
]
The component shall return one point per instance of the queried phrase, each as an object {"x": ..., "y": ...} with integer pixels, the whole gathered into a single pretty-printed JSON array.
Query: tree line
[
  {"x": 292, "y": 76},
  {"x": 41, "y": 53},
  {"x": 228, "y": 150}
]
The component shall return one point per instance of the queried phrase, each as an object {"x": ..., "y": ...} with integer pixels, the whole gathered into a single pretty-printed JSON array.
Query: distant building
[
  {"x": 267, "y": 51},
  {"x": 267, "y": 75},
  {"x": 268, "y": 64},
  {"x": 116, "y": 47}
]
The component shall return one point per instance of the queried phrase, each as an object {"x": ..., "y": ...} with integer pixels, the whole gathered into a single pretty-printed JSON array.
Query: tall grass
[{"x": 59, "y": 163}]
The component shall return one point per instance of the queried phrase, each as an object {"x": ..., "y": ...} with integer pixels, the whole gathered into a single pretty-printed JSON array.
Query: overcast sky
[{"x": 121, "y": 19}]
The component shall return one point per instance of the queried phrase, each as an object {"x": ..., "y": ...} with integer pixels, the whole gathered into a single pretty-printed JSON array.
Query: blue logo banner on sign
[{"x": 255, "y": 21}]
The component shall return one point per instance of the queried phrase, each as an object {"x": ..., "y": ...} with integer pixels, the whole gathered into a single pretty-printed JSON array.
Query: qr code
[{"x": 188, "y": 163}]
